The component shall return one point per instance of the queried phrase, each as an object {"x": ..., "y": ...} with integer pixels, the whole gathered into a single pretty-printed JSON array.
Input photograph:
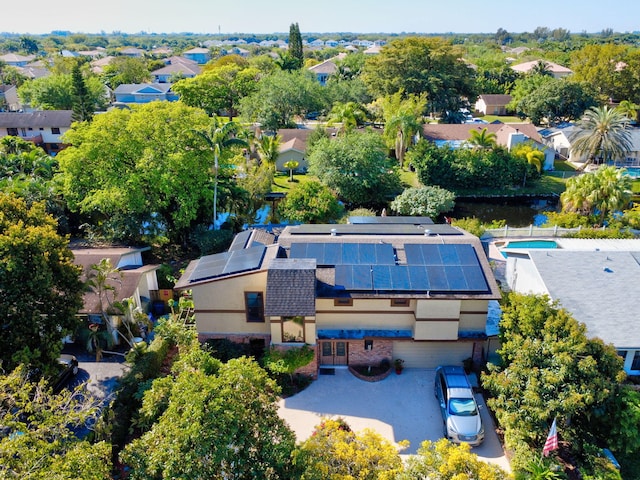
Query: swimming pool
[
  {"x": 633, "y": 172},
  {"x": 531, "y": 244}
]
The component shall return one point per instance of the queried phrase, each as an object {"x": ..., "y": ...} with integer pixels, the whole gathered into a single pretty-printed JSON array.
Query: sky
[{"x": 319, "y": 16}]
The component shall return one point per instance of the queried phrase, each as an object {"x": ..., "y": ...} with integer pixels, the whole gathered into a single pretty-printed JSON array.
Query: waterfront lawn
[{"x": 281, "y": 181}]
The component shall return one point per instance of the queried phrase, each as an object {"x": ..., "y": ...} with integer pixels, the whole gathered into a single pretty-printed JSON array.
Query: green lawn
[
  {"x": 281, "y": 181},
  {"x": 501, "y": 118}
]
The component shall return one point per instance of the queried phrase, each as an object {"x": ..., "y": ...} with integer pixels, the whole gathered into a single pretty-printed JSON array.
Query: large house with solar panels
[{"x": 376, "y": 288}]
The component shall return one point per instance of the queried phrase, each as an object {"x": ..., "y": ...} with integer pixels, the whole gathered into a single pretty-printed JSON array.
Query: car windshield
[{"x": 465, "y": 407}]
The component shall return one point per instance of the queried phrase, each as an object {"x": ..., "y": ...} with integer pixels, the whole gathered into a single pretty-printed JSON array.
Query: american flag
[{"x": 552, "y": 440}]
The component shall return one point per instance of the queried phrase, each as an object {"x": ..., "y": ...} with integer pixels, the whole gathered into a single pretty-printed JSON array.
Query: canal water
[{"x": 517, "y": 212}]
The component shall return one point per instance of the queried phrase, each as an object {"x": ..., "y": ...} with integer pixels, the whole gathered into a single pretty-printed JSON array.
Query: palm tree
[
  {"x": 403, "y": 118},
  {"x": 349, "y": 115},
  {"x": 541, "y": 68},
  {"x": 606, "y": 190},
  {"x": 482, "y": 139},
  {"x": 291, "y": 165},
  {"x": 604, "y": 134},
  {"x": 269, "y": 148},
  {"x": 532, "y": 155},
  {"x": 218, "y": 137},
  {"x": 629, "y": 110}
]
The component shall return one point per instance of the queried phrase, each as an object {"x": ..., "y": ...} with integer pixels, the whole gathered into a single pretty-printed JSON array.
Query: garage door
[{"x": 431, "y": 354}]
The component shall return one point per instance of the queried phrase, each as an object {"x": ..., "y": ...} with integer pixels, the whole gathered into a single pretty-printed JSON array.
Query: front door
[{"x": 333, "y": 352}]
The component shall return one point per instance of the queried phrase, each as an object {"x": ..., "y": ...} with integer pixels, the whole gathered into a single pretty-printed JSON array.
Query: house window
[
  {"x": 55, "y": 130},
  {"x": 368, "y": 344},
  {"x": 343, "y": 302},
  {"x": 293, "y": 329},
  {"x": 622, "y": 354},
  {"x": 254, "y": 306},
  {"x": 636, "y": 361},
  {"x": 399, "y": 302},
  {"x": 12, "y": 131}
]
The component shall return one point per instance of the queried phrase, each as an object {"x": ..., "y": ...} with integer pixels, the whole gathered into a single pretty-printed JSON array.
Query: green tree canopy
[
  {"x": 556, "y": 101},
  {"x": 218, "y": 90},
  {"x": 403, "y": 119},
  {"x": 424, "y": 201},
  {"x": 130, "y": 168},
  {"x": 38, "y": 440},
  {"x": 40, "y": 287},
  {"x": 280, "y": 97},
  {"x": 482, "y": 139},
  {"x": 124, "y": 70},
  {"x": 310, "y": 202},
  {"x": 417, "y": 65},
  {"x": 357, "y": 168},
  {"x": 56, "y": 92},
  {"x": 295, "y": 44},
  {"x": 215, "y": 421},
  {"x": 549, "y": 369}
]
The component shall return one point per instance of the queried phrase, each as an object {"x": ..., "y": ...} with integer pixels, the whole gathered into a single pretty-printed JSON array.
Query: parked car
[
  {"x": 460, "y": 412},
  {"x": 68, "y": 369}
]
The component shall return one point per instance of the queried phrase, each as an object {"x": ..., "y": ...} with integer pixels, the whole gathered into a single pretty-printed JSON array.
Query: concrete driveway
[{"x": 400, "y": 407}]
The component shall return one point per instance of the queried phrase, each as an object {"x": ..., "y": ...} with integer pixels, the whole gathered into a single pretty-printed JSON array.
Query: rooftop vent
[{"x": 334, "y": 232}]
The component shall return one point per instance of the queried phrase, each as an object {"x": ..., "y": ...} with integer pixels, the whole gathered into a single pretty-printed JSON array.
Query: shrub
[{"x": 210, "y": 241}]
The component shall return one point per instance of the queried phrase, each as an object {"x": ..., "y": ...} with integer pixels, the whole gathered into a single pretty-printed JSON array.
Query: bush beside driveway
[{"x": 400, "y": 407}]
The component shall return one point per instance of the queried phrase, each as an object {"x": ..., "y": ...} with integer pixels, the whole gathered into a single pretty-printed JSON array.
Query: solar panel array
[
  {"x": 431, "y": 268},
  {"x": 331, "y": 254},
  {"x": 226, "y": 263}
]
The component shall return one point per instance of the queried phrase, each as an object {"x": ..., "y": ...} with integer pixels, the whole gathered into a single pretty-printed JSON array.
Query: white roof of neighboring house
[
  {"x": 373, "y": 50},
  {"x": 328, "y": 67},
  {"x": 294, "y": 144},
  {"x": 196, "y": 50},
  {"x": 526, "y": 67},
  {"x": 10, "y": 58}
]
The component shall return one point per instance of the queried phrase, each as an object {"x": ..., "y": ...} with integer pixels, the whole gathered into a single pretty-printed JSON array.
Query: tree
[
  {"x": 40, "y": 287},
  {"x": 482, "y": 139},
  {"x": 29, "y": 45},
  {"x": 402, "y": 121},
  {"x": 556, "y": 101},
  {"x": 295, "y": 44},
  {"x": 443, "y": 460},
  {"x": 288, "y": 361},
  {"x": 135, "y": 174},
  {"x": 549, "y": 369},
  {"x": 417, "y": 65},
  {"x": 601, "y": 66},
  {"x": 39, "y": 439},
  {"x": 310, "y": 202},
  {"x": 83, "y": 107},
  {"x": 424, "y": 201},
  {"x": 335, "y": 451},
  {"x": 280, "y": 97},
  {"x": 603, "y": 134},
  {"x": 125, "y": 70},
  {"x": 357, "y": 168},
  {"x": 213, "y": 421},
  {"x": 541, "y": 68},
  {"x": 218, "y": 90},
  {"x": 629, "y": 110},
  {"x": 602, "y": 192},
  {"x": 218, "y": 137},
  {"x": 269, "y": 149},
  {"x": 532, "y": 155},
  {"x": 291, "y": 165},
  {"x": 348, "y": 115},
  {"x": 56, "y": 92}
]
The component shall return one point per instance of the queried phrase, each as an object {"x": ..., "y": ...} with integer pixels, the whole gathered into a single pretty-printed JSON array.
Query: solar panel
[
  {"x": 330, "y": 254},
  {"x": 226, "y": 263},
  {"x": 456, "y": 278},
  {"x": 475, "y": 279},
  {"x": 437, "y": 278}
]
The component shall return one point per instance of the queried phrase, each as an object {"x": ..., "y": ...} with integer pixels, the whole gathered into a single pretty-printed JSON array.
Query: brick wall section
[{"x": 359, "y": 356}]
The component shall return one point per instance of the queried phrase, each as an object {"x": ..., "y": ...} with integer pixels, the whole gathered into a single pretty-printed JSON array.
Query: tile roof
[
  {"x": 443, "y": 131},
  {"x": 294, "y": 144},
  {"x": 553, "y": 67},
  {"x": 495, "y": 99},
  {"x": 291, "y": 287}
]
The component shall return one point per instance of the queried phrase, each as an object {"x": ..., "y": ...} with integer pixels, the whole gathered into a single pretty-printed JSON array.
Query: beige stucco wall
[
  {"x": 364, "y": 313},
  {"x": 220, "y": 306},
  {"x": 429, "y": 308},
  {"x": 436, "y": 330},
  {"x": 289, "y": 155},
  {"x": 309, "y": 330},
  {"x": 473, "y": 315}
]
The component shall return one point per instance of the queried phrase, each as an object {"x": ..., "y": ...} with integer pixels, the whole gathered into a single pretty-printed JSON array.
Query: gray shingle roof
[
  {"x": 291, "y": 287},
  {"x": 45, "y": 118},
  {"x": 600, "y": 289}
]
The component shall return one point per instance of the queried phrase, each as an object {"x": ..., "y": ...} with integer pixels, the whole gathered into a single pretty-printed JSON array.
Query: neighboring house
[
  {"x": 242, "y": 52},
  {"x": 560, "y": 138},
  {"x": 198, "y": 55},
  {"x": 15, "y": 60},
  {"x": 324, "y": 70},
  {"x": 132, "y": 52},
  {"x": 9, "y": 100},
  {"x": 97, "y": 66},
  {"x": 356, "y": 293},
  {"x": 293, "y": 146},
  {"x": 134, "y": 279},
  {"x": 144, "y": 93},
  {"x": 317, "y": 43},
  {"x": 373, "y": 50},
  {"x": 34, "y": 70},
  {"x": 558, "y": 71},
  {"x": 162, "y": 51},
  {"x": 507, "y": 135},
  {"x": 182, "y": 68},
  {"x": 44, "y": 128},
  {"x": 595, "y": 280},
  {"x": 492, "y": 104}
]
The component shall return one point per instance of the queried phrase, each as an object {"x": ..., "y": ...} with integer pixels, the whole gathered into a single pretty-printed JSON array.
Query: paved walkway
[{"x": 400, "y": 407}]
